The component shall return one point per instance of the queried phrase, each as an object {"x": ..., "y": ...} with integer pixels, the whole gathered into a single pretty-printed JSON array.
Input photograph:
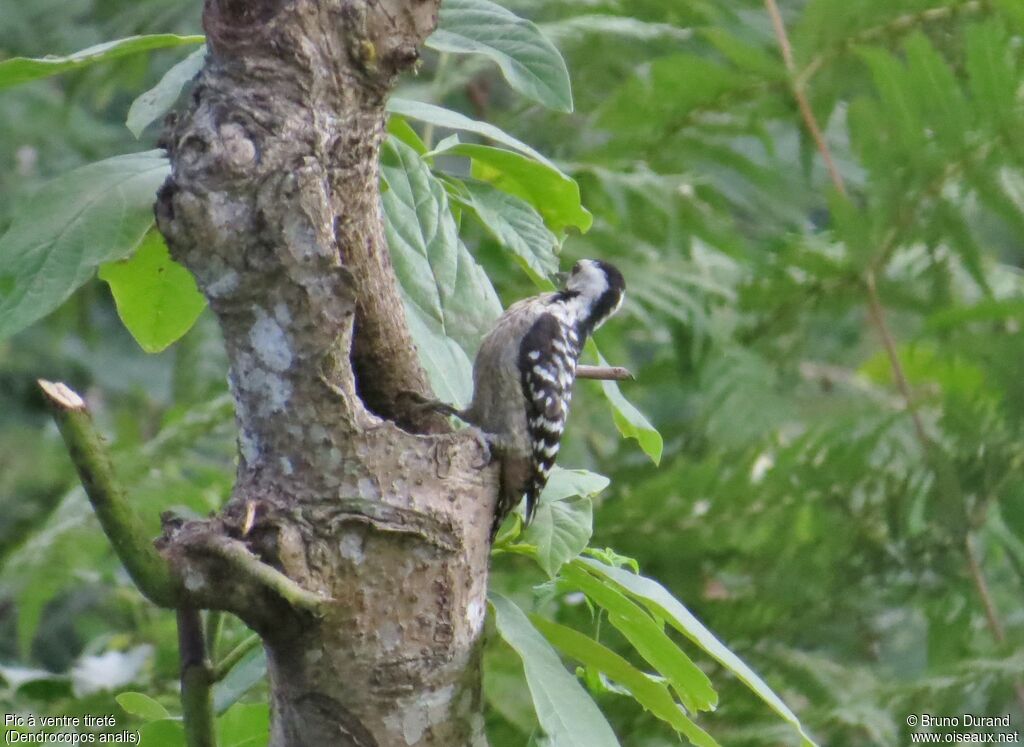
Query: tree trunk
[{"x": 380, "y": 512}]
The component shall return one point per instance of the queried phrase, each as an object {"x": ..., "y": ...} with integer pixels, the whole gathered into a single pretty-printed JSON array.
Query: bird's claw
[{"x": 488, "y": 443}]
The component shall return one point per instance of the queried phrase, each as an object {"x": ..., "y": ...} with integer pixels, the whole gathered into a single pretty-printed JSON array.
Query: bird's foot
[{"x": 489, "y": 444}]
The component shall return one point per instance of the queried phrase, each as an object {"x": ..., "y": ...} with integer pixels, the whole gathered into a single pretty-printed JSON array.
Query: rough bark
[{"x": 377, "y": 518}]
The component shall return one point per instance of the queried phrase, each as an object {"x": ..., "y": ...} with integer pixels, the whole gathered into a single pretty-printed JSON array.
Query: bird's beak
[{"x": 561, "y": 278}]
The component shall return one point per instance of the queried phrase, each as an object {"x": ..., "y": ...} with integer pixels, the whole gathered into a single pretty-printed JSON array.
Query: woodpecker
[{"x": 524, "y": 373}]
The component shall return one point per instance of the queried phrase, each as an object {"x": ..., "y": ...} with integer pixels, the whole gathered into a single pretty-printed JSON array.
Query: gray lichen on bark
[{"x": 273, "y": 204}]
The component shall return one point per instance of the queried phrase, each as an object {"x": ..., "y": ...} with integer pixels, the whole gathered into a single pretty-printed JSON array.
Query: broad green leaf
[
  {"x": 448, "y": 297},
  {"x": 630, "y": 421},
  {"x": 74, "y": 223},
  {"x": 648, "y": 638},
  {"x": 563, "y": 523},
  {"x": 245, "y": 675},
  {"x": 244, "y": 725},
  {"x": 567, "y": 714},
  {"x": 400, "y": 128},
  {"x": 156, "y": 298},
  {"x": 447, "y": 365},
  {"x": 158, "y": 100},
  {"x": 554, "y": 195},
  {"x": 514, "y": 224},
  {"x": 142, "y": 706},
  {"x": 530, "y": 63},
  {"x": 657, "y": 599},
  {"x": 651, "y": 694},
  {"x": 441, "y": 117},
  {"x": 23, "y": 69},
  {"x": 623, "y": 27},
  {"x": 164, "y": 733}
]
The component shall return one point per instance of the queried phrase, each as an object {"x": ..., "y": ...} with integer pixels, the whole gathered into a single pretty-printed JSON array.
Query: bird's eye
[{"x": 576, "y": 267}]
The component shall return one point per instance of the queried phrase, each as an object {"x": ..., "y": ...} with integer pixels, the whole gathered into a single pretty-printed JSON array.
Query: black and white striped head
[{"x": 596, "y": 289}]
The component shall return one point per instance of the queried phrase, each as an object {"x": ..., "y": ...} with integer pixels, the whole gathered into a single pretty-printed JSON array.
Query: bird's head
[{"x": 599, "y": 289}]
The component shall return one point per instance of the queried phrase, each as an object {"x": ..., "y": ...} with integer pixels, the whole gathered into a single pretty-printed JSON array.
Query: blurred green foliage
[{"x": 795, "y": 510}]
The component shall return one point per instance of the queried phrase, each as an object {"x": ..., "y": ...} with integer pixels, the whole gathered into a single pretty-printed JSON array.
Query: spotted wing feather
[{"x": 548, "y": 365}]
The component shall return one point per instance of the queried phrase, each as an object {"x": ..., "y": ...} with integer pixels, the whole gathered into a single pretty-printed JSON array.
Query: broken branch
[
  {"x": 120, "y": 523},
  {"x": 604, "y": 373}
]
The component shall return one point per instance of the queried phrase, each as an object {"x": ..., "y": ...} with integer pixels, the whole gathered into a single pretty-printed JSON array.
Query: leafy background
[{"x": 866, "y": 568}]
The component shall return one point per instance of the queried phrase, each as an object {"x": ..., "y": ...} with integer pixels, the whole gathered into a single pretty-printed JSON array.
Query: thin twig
[
  {"x": 214, "y": 623},
  {"x": 995, "y": 625},
  {"x": 196, "y": 682},
  {"x": 604, "y": 373},
  {"x": 246, "y": 564},
  {"x": 235, "y": 655},
  {"x": 801, "y": 99},
  {"x": 973, "y": 562},
  {"x": 877, "y": 314},
  {"x": 120, "y": 523}
]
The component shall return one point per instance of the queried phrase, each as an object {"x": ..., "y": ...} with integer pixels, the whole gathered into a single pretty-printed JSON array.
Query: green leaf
[
  {"x": 630, "y": 421},
  {"x": 936, "y": 90},
  {"x": 158, "y": 100},
  {"x": 245, "y": 675},
  {"x": 668, "y": 91},
  {"x": 983, "y": 311},
  {"x": 903, "y": 115},
  {"x": 530, "y": 63},
  {"x": 156, "y": 298},
  {"x": 554, "y": 195},
  {"x": 991, "y": 76},
  {"x": 514, "y": 224},
  {"x": 648, "y": 638},
  {"x": 1013, "y": 11},
  {"x": 244, "y": 726},
  {"x": 449, "y": 299},
  {"x": 74, "y": 223},
  {"x": 165, "y": 733},
  {"x": 564, "y": 520},
  {"x": 23, "y": 69},
  {"x": 400, "y": 128},
  {"x": 651, "y": 694},
  {"x": 142, "y": 706},
  {"x": 441, "y": 117},
  {"x": 568, "y": 716},
  {"x": 746, "y": 56},
  {"x": 657, "y": 599}
]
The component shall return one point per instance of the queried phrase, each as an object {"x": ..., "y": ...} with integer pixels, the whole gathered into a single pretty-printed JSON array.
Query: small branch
[
  {"x": 252, "y": 568},
  {"x": 235, "y": 655},
  {"x": 214, "y": 623},
  {"x": 995, "y": 625},
  {"x": 877, "y": 314},
  {"x": 196, "y": 681},
  {"x": 801, "y": 99},
  {"x": 604, "y": 373},
  {"x": 120, "y": 523},
  {"x": 978, "y": 576}
]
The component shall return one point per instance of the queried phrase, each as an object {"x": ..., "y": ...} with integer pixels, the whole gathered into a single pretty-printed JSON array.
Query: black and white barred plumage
[{"x": 524, "y": 373}]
